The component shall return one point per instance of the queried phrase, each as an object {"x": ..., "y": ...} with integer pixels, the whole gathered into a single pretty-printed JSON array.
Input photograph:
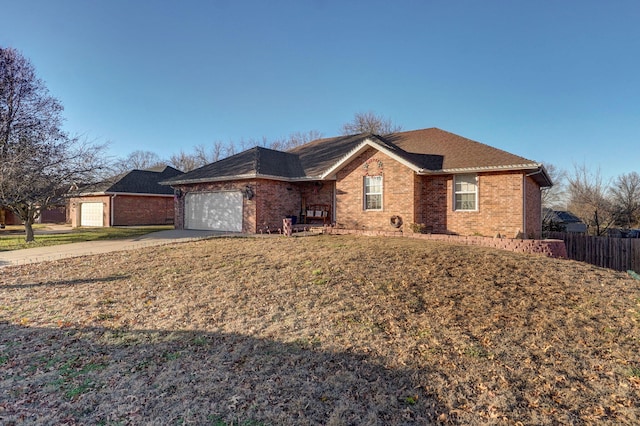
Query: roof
[
  {"x": 252, "y": 163},
  {"x": 137, "y": 182},
  {"x": 426, "y": 151},
  {"x": 561, "y": 216}
]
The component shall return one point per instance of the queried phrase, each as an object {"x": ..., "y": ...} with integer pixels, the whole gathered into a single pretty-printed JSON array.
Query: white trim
[
  {"x": 366, "y": 144},
  {"x": 364, "y": 193},
  {"x": 464, "y": 170},
  {"x": 242, "y": 177}
]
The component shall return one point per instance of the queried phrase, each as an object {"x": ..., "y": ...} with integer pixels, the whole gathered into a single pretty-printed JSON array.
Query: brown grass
[{"x": 318, "y": 330}]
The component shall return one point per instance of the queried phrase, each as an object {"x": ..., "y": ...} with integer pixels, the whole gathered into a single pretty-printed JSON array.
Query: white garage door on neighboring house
[
  {"x": 218, "y": 211},
  {"x": 91, "y": 214}
]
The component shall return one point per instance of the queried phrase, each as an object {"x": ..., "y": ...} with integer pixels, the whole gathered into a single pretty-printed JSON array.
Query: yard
[
  {"x": 12, "y": 237},
  {"x": 318, "y": 330}
]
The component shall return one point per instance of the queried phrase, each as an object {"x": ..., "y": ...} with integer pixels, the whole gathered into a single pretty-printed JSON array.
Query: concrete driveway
[{"x": 41, "y": 254}]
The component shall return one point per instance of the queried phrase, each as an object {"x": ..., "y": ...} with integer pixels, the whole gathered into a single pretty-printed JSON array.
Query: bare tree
[
  {"x": 553, "y": 197},
  {"x": 183, "y": 161},
  {"x": 216, "y": 152},
  {"x": 138, "y": 160},
  {"x": 588, "y": 199},
  {"x": 625, "y": 195},
  {"x": 204, "y": 154},
  {"x": 38, "y": 161},
  {"x": 369, "y": 122},
  {"x": 295, "y": 139}
]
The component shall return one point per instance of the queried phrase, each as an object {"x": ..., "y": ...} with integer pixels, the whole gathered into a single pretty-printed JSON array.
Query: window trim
[
  {"x": 368, "y": 194},
  {"x": 456, "y": 193}
]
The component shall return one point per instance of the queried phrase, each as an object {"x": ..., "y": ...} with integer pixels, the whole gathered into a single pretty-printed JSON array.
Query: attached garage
[
  {"x": 216, "y": 211},
  {"x": 92, "y": 214}
]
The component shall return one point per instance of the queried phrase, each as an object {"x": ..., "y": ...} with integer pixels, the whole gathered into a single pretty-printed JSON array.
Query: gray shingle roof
[
  {"x": 137, "y": 182},
  {"x": 254, "y": 162}
]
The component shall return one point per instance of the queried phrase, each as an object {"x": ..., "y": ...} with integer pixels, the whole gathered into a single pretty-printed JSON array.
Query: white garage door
[
  {"x": 218, "y": 211},
  {"x": 91, "y": 214}
]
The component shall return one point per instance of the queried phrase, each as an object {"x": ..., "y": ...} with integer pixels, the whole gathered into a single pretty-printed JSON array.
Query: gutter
[
  {"x": 480, "y": 169},
  {"x": 138, "y": 194},
  {"x": 524, "y": 205}
]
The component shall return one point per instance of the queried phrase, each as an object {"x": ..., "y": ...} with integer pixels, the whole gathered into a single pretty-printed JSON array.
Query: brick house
[
  {"x": 440, "y": 181},
  {"x": 132, "y": 199},
  {"x": 56, "y": 213}
]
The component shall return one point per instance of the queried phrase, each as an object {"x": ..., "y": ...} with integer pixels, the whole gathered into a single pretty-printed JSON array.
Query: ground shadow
[
  {"x": 60, "y": 283},
  {"x": 104, "y": 376}
]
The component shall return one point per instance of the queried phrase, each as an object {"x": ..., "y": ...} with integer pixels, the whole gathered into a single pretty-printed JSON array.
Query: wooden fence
[{"x": 621, "y": 254}]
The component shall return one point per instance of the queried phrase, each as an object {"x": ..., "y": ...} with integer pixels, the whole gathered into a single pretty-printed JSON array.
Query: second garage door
[
  {"x": 91, "y": 214},
  {"x": 217, "y": 211}
]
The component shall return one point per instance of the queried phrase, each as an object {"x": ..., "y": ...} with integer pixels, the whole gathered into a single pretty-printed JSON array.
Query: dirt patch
[{"x": 318, "y": 330}]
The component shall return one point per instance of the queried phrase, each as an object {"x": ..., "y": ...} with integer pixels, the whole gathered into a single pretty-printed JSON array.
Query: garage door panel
[
  {"x": 220, "y": 211},
  {"x": 91, "y": 214}
]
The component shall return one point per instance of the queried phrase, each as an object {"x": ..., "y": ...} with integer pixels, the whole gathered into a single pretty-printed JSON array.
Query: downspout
[
  {"x": 524, "y": 205},
  {"x": 333, "y": 208},
  {"x": 112, "y": 211}
]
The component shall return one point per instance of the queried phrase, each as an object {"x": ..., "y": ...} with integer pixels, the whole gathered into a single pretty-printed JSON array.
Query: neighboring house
[
  {"x": 135, "y": 198},
  {"x": 444, "y": 182},
  {"x": 7, "y": 217},
  {"x": 564, "y": 221},
  {"x": 56, "y": 213}
]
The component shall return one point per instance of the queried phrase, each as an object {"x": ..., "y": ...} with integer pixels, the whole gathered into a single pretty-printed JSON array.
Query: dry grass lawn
[{"x": 329, "y": 330}]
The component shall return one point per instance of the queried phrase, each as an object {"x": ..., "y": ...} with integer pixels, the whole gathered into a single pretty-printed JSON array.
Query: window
[
  {"x": 373, "y": 192},
  {"x": 466, "y": 192}
]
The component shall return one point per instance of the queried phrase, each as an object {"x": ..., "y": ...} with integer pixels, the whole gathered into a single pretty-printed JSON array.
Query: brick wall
[
  {"x": 57, "y": 214},
  {"x": 435, "y": 201},
  {"x": 7, "y": 217},
  {"x": 499, "y": 210},
  {"x": 132, "y": 210},
  {"x": 533, "y": 228},
  {"x": 397, "y": 197},
  {"x": 275, "y": 200}
]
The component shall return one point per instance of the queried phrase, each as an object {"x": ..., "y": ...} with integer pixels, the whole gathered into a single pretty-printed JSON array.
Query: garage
[
  {"x": 91, "y": 214},
  {"x": 216, "y": 211}
]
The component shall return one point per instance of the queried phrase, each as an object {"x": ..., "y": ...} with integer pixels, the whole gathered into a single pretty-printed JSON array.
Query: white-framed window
[
  {"x": 373, "y": 192},
  {"x": 465, "y": 192}
]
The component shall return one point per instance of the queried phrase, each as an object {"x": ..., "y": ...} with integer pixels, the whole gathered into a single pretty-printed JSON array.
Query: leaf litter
[{"x": 318, "y": 330}]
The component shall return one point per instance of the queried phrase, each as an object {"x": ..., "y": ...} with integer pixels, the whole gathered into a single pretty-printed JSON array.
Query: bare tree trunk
[
  {"x": 28, "y": 230},
  {"x": 27, "y": 214}
]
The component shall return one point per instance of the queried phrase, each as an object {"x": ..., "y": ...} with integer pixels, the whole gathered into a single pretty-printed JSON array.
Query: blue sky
[{"x": 552, "y": 81}]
